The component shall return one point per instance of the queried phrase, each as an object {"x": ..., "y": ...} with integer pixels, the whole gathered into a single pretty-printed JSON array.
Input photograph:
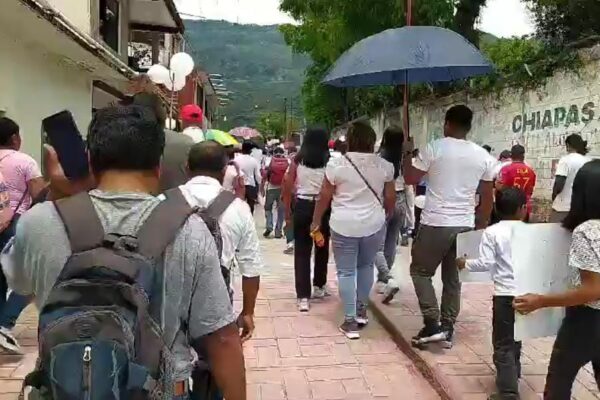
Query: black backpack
[{"x": 99, "y": 331}]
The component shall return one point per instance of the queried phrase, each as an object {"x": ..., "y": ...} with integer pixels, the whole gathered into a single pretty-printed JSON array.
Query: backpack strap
[
  {"x": 218, "y": 206},
  {"x": 161, "y": 227},
  {"x": 79, "y": 216}
]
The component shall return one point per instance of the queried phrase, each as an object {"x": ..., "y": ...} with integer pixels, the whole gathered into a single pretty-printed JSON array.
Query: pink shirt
[{"x": 18, "y": 169}]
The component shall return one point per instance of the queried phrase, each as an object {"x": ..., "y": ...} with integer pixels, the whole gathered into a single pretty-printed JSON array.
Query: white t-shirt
[
  {"x": 309, "y": 181},
  {"x": 195, "y": 133},
  {"x": 250, "y": 167},
  {"x": 355, "y": 211},
  {"x": 499, "y": 166},
  {"x": 454, "y": 169},
  {"x": 231, "y": 175},
  {"x": 568, "y": 166}
]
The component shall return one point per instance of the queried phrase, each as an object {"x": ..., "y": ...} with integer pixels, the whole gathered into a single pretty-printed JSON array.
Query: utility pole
[
  {"x": 289, "y": 135},
  {"x": 285, "y": 125},
  {"x": 406, "y": 114}
]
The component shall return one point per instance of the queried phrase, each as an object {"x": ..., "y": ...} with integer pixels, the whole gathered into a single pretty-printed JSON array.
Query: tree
[
  {"x": 560, "y": 22},
  {"x": 329, "y": 27},
  {"x": 275, "y": 125},
  {"x": 467, "y": 12}
]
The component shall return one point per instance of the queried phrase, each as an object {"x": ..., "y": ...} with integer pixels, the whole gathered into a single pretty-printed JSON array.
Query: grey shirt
[
  {"x": 195, "y": 302},
  {"x": 172, "y": 170}
]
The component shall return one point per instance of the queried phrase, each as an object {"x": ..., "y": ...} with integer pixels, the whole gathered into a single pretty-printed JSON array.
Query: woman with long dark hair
[
  {"x": 304, "y": 179},
  {"x": 360, "y": 188},
  {"x": 567, "y": 168},
  {"x": 578, "y": 340},
  {"x": 391, "y": 151}
]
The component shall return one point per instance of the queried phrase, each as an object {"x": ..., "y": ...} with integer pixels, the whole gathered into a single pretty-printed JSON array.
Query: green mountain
[{"x": 257, "y": 66}]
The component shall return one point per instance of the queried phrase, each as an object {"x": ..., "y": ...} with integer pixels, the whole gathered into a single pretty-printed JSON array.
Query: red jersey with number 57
[{"x": 519, "y": 175}]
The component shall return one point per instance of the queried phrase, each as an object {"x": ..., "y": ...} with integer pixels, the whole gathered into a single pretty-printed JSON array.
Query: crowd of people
[{"x": 131, "y": 267}]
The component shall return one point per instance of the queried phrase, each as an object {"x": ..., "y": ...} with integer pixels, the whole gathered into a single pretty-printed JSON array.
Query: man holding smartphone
[{"x": 125, "y": 146}]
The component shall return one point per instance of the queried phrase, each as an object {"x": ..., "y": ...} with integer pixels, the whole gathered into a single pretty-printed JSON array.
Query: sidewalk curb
[{"x": 431, "y": 373}]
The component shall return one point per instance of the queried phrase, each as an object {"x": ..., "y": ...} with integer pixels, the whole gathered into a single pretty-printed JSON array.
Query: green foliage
[
  {"x": 256, "y": 64},
  {"x": 330, "y": 27},
  {"x": 560, "y": 22},
  {"x": 523, "y": 63},
  {"x": 276, "y": 125}
]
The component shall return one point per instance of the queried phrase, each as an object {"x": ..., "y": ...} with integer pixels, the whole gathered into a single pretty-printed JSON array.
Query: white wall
[
  {"x": 76, "y": 11},
  {"x": 540, "y": 120},
  {"x": 34, "y": 86}
]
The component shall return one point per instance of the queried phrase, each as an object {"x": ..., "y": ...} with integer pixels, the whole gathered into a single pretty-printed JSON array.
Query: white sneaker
[
  {"x": 8, "y": 343},
  {"x": 303, "y": 305},
  {"x": 318, "y": 293},
  {"x": 380, "y": 287}
]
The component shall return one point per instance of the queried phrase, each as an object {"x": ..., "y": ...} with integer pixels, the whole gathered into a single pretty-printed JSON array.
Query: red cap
[
  {"x": 191, "y": 113},
  {"x": 331, "y": 144}
]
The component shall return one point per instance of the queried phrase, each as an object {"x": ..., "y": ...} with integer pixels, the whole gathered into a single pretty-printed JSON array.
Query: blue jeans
[
  {"x": 355, "y": 258},
  {"x": 384, "y": 261},
  {"x": 10, "y": 309},
  {"x": 273, "y": 198}
]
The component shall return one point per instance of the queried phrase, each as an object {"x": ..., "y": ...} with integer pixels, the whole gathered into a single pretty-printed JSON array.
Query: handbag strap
[{"x": 364, "y": 179}]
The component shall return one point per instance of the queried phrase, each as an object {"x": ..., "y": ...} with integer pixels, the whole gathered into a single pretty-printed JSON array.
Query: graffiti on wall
[{"x": 554, "y": 118}]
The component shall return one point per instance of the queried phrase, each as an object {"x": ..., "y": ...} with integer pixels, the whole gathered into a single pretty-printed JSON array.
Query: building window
[{"x": 110, "y": 23}]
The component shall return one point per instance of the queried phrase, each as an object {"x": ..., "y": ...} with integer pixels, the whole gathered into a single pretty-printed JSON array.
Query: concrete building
[{"x": 71, "y": 54}]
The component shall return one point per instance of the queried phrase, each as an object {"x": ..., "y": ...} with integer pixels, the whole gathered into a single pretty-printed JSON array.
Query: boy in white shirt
[{"x": 495, "y": 255}]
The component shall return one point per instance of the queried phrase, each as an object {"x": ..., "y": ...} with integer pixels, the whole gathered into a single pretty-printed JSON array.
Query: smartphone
[{"x": 63, "y": 135}]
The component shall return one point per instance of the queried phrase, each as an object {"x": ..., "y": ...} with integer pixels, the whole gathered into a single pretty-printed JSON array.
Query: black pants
[
  {"x": 577, "y": 343},
  {"x": 251, "y": 196},
  {"x": 303, "y": 245},
  {"x": 507, "y": 352}
]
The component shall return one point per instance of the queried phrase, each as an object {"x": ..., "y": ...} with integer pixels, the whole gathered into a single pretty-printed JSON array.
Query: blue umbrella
[{"x": 411, "y": 54}]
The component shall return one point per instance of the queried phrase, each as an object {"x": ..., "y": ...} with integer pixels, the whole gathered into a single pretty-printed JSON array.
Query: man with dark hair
[
  {"x": 207, "y": 163},
  {"x": 487, "y": 148},
  {"x": 251, "y": 172},
  {"x": 519, "y": 175},
  {"x": 177, "y": 145},
  {"x": 455, "y": 169},
  {"x": 125, "y": 148}
]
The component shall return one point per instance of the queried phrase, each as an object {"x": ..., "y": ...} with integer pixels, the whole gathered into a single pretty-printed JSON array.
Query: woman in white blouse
[
  {"x": 303, "y": 182},
  {"x": 578, "y": 340},
  {"x": 360, "y": 188}
]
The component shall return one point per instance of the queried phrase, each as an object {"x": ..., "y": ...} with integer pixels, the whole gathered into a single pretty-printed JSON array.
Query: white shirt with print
[
  {"x": 454, "y": 169},
  {"x": 355, "y": 211}
]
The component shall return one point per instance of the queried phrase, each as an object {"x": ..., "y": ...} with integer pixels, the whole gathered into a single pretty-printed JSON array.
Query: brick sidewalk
[
  {"x": 467, "y": 370},
  {"x": 293, "y": 356},
  {"x": 302, "y": 357}
]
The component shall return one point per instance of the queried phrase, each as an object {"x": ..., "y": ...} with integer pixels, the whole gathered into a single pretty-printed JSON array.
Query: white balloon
[
  {"x": 182, "y": 64},
  {"x": 159, "y": 74},
  {"x": 179, "y": 84}
]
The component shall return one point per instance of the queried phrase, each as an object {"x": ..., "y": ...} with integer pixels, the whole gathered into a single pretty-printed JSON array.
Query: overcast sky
[{"x": 503, "y": 18}]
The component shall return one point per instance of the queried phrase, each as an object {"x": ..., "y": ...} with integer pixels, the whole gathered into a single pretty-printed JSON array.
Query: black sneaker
[
  {"x": 429, "y": 334},
  {"x": 267, "y": 233},
  {"x": 350, "y": 329},
  {"x": 448, "y": 332},
  {"x": 278, "y": 235},
  {"x": 404, "y": 241},
  {"x": 362, "y": 316}
]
